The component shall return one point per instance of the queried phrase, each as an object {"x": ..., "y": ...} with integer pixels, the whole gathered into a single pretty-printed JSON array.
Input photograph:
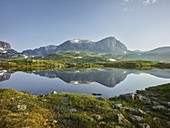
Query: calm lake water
[{"x": 108, "y": 82}]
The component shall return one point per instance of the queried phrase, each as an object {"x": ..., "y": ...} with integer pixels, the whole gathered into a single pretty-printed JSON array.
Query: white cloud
[{"x": 145, "y": 2}]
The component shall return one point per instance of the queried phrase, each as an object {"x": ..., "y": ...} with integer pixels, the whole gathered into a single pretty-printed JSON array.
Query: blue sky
[{"x": 139, "y": 24}]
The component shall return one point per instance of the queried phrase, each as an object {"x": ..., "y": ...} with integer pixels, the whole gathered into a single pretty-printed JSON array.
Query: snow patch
[
  {"x": 112, "y": 59},
  {"x": 79, "y": 57},
  {"x": 125, "y": 52},
  {"x": 1, "y": 48}
]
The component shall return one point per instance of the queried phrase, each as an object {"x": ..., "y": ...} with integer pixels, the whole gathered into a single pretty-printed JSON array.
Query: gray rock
[
  {"x": 165, "y": 103},
  {"x": 159, "y": 107},
  {"x": 117, "y": 106},
  {"x": 121, "y": 119},
  {"x": 144, "y": 125},
  {"x": 168, "y": 123},
  {"x": 136, "y": 111},
  {"x": 136, "y": 118},
  {"x": 155, "y": 103},
  {"x": 20, "y": 107},
  {"x": 156, "y": 119},
  {"x": 128, "y": 96},
  {"x": 143, "y": 99}
]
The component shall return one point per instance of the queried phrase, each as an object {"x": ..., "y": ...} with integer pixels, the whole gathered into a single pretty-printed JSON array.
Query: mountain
[
  {"x": 160, "y": 50},
  {"x": 4, "y": 75},
  {"x": 161, "y": 54},
  {"x": 106, "y": 77},
  {"x": 6, "y": 48},
  {"x": 50, "y": 49},
  {"x": 109, "y": 45},
  {"x": 7, "y": 53}
]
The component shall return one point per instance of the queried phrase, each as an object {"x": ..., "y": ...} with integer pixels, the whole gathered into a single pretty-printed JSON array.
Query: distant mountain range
[{"x": 109, "y": 45}]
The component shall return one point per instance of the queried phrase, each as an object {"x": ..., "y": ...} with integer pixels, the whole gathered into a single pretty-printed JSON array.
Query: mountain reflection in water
[{"x": 106, "y": 81}]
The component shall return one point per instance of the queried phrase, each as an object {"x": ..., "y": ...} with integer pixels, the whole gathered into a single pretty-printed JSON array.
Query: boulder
[
  {"x": 128, "y": 96},
  {"x": 20, "y": 107},
  {"x": 156, "y": 119},
  {"x": 117, "y": 106},
  {"x": 144, "y": 125},
  {"x": 136, "y": 111},
  {"x": 143, "y": 99},
  {"x": 121, "y": 119},
  {"x": 136, "y": 118},
  {"x": 159, "y": 107}
]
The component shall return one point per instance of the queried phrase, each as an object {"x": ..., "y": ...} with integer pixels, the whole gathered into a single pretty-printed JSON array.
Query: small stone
[
  {"x": 54, "y": 121},
  {"x": 144, "y": 125},
  {"x": 156, "y": 119},
  {"x": 159, "y": 107},
  {"x": 20, "y": 107},
  {"x": 136, "y": 118},
  {"x": 117, "y": 106},
  {"x": 54, "y": 92},
  {"x": 73, "y": 110}
]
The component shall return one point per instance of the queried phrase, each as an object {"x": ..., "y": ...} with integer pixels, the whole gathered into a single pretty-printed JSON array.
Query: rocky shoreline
[{"x": 149, "y": 108}]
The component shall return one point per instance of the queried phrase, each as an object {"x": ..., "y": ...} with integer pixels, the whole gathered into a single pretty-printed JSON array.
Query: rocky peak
[{"x": 4, "y": 46}]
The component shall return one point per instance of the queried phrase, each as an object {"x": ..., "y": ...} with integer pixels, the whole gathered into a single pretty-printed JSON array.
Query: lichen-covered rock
[{"x": 165, "y": 103}]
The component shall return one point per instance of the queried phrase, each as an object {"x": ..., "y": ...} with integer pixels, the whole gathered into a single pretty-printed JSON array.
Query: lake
[{"x": 106, "y": 81}]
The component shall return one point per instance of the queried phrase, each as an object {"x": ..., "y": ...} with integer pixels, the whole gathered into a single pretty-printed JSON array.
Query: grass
[{"x": 75, "y": 110}]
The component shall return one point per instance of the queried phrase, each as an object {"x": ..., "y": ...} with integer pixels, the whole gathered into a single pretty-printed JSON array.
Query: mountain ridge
[{"x": 109, "y": 45}]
